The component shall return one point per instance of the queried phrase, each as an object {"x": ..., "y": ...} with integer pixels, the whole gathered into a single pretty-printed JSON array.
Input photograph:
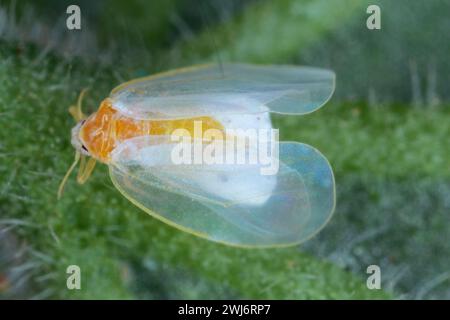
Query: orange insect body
[{"x": 107, "y": 128}]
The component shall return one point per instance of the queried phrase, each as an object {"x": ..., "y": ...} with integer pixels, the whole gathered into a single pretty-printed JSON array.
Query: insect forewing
[
  {"x": 225, "y": 89},
  {"x": 228, "y": 203}
]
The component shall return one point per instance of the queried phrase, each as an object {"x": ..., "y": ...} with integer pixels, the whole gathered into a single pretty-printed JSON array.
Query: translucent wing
[
  {"x": 233, "y": 204},
  {"x": 225, "y": 89}
]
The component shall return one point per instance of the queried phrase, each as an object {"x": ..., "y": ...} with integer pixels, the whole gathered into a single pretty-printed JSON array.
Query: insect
[{"x": 231, "y": 203}]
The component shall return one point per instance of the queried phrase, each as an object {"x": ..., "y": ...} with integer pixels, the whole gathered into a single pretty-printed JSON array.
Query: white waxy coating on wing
[
  {"x": 225, "y": 89},
  {"x": 215, "y": 182},
  {"x": 232, "y": 204}
]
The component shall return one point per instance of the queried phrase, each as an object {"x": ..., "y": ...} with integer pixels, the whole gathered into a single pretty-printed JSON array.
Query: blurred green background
[{"x": 385, "y": 132}]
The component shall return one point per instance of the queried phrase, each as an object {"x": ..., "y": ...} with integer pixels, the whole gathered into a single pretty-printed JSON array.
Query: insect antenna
[
  {"x": 85, "y": 169},
  {"x": 76, "y": 111},
  {"x": 64, "y": 180}
]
